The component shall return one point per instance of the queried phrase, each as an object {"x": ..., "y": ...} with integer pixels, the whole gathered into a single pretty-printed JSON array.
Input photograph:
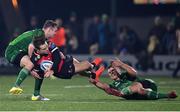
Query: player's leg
[
  {"x": 84, "y": 65},
  {"x": 93, "y": 74},
  {"x": 148, "y": 84},
  {"x": 138, "y": 88},
  {"x": 27, "y": 67},
  {"x": 99, "y": 72},
  {"x": 38, "y": 84},
  {"x": 84, "y": 68},
  {"x": 25, "y": 62},
  {"x": 152, "y": 95},
  {"x": 72, "y": 66},
  {"x": 37, "y": 96}
]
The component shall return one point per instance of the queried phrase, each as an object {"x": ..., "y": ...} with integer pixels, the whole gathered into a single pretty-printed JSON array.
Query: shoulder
[
  {"x": 38, "y": 32},
  {"x": 33, "y": 33}
]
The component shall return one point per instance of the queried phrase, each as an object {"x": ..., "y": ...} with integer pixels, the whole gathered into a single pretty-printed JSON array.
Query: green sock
[
  {"x": 162, "y": 95},
  {"x": 21, "y": 76},
  {"x": 38, "y": 83},
  {"x": 154, "y": 95}
]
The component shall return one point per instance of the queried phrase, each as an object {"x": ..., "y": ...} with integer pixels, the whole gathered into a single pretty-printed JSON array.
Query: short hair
[
  {"x": 49, "y": 23},
  {"x": 38, "y": 40}
]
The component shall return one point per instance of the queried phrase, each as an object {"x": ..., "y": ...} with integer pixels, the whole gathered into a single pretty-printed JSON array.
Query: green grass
[{"x": 78, "y": 94}]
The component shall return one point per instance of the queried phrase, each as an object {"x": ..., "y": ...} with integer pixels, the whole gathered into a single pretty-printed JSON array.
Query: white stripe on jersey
[{"x": 54, "y": 49}]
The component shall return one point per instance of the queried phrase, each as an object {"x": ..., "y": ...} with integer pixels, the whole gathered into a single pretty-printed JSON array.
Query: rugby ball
[{"x": 46, "y": 65}]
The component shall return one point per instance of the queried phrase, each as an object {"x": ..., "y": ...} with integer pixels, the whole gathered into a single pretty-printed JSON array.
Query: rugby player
[
  {"x": 65, "y": 67},
  {"x": 128, "y": 85},
  {"x": 18, "y": 54}
]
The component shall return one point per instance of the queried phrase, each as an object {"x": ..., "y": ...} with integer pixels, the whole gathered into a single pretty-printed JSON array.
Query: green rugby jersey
[
  {"x": 124, "y": 81},
  {"x": 22, "y": 41}
]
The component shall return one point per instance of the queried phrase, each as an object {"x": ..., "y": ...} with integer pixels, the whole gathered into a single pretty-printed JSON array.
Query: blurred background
[{"x": 144, "y": 33}]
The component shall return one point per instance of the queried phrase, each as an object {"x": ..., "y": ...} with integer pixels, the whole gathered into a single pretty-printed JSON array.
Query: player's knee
[
  {"x": 29, "y": 66},
  {"x": 142, "y": 91},
  {"x": 135, "y": 87}
]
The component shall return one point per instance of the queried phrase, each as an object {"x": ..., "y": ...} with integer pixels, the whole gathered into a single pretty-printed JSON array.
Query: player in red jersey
[{"x": 63, "y": 67}]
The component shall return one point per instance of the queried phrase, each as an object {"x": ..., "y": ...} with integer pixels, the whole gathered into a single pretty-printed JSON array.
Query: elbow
[{"x": 133, "y": 72}]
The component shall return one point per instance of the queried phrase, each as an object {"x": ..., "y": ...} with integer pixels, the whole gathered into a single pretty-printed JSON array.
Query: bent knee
[
  {"x": 29, "y": 66},
  {"x": 142, "y": 91},
  {"x": 136, "y": 87}
]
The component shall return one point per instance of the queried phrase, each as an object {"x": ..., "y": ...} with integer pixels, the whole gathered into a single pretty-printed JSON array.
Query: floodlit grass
[{"x": 78, "y": 94}]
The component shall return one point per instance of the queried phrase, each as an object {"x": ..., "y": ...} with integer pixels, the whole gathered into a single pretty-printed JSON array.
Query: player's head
[
  {"x": 41, "y": 46},
  {"x": 113, "y": 73},
  {"x": 50, "y": 27}
]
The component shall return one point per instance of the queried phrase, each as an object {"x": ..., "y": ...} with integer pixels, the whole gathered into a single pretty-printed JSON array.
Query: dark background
[{"x": 86, "y": 8}]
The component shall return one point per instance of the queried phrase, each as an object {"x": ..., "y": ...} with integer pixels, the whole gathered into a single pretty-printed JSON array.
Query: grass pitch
[{"x": 79, "y": 95}]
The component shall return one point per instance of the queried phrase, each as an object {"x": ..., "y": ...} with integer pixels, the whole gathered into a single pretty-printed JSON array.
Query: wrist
[{"x": 95, "y": 82}]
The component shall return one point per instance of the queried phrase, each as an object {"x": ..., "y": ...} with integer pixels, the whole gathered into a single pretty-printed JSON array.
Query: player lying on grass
[
  {"x": 18, "y": 54},
  {"x": 66, "y": 66},
  {"x": 128, "y": 85}
]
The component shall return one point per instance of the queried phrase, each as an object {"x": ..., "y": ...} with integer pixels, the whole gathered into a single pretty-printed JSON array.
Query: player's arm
[
  {"x": 30, "y": 49},
  {"x": 56, "y": 57},
  {"x": 35, "y": 74},
  {"x": 30, "y": 54},
  {"x": 48, "y": 73},
  {"x": 118, "y": 63},
  {"x": 106, "y": 88}
]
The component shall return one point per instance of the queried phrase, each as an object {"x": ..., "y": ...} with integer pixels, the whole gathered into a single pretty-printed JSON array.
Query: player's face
[
  {"x": 43, "y": 49},
  {"x": 113, "y": 73},
  {"x": 51, "y": 31}
]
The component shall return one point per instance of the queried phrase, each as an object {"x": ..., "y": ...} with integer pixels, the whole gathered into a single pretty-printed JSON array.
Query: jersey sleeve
[
  {"x": 56, "y": 57},
  {"x": 35, "y": 59},
  {"x": 112, "y": 85},
  {"x": 126, "y": 75}
]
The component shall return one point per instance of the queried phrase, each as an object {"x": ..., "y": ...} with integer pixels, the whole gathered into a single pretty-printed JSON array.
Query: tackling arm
[
  {"x": 106, "y": 88},
  {"x": 30, "y": 49},
  {"x": 118, "y": 63}
]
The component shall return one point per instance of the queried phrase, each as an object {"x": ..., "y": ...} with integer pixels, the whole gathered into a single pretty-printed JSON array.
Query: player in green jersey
[
  {"x": 18, "y": 54},
  {"x": 126, "y": 84}
]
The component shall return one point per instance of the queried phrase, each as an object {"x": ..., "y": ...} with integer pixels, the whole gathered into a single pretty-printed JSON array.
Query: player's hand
[
  {"x": 48, "y": 73},
  {"x": 116, "y": 63},
  {"x": 35, "y": 74}
]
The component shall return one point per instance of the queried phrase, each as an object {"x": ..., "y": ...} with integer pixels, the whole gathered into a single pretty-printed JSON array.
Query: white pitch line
[
  {"x": 78, "y": 86},
  {"x": 31, "y": 94},
  {"x": 169, "y": 87},
  {"x": 126, "y": 101},
  {"x": 163, "y": 82}
]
